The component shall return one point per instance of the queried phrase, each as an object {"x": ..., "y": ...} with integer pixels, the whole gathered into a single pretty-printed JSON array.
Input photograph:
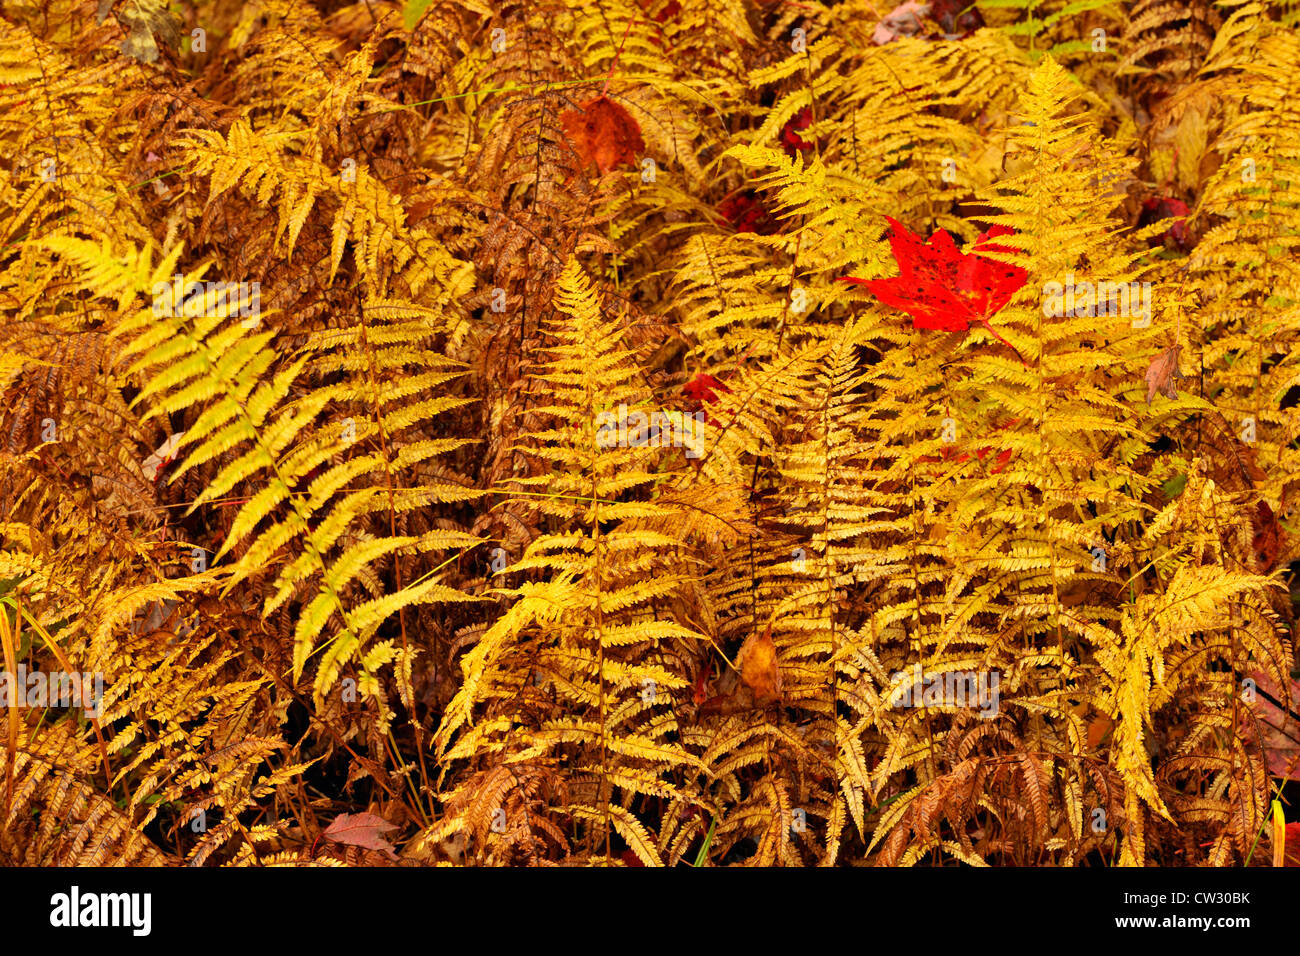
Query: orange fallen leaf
[
  {"x": 758, "y": 667},
  {"x": 756, "y": 681},
  {"x": 604, "y": 133},
  {"x": 701, "y": 692},
  {"x": 1098, "y": 728}
]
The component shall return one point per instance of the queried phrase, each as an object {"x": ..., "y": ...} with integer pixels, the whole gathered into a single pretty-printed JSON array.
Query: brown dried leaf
[
  {"x": 363, "y": 830},
  {"x": 147, "y": 21},
  {"x": 1277, "y": 725},
  {"x": 1268, "y": 536},
  {"x": 1163, "y": 372}
]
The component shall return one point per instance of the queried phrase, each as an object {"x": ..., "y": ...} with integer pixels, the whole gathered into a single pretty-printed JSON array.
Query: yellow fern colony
[{"x": 459, "y": 416}]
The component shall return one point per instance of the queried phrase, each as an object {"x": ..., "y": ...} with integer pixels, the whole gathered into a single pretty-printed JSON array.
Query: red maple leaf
[
  {"x": 604, "y": 133},
  {"x": 949, "y": 453},
  {"x": 943, "y": 288},
  {"x": 1004, "y": 456},
  {"x": 704, "y": 388}
]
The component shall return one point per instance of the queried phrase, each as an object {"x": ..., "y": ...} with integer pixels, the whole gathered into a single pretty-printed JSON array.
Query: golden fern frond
[
  {"x": 310, "y": 520},
  {"x": 596, "y": 626},
  {"x": 56, "y": 817}
]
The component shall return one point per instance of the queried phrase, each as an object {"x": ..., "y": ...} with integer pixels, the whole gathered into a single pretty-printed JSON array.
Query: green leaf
[{"x": 413, "y": 11}]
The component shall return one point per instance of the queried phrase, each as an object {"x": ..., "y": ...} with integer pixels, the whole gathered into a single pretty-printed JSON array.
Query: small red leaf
[
  {"x": 1156, "y": 209},
  {"x": 956, "y": 17},
  {"x": 746, "y": 213},
  {"x": 1292, "y": 857},
  {"x": 704, "y": 388},
  {"x": 791, "y": 141}
]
